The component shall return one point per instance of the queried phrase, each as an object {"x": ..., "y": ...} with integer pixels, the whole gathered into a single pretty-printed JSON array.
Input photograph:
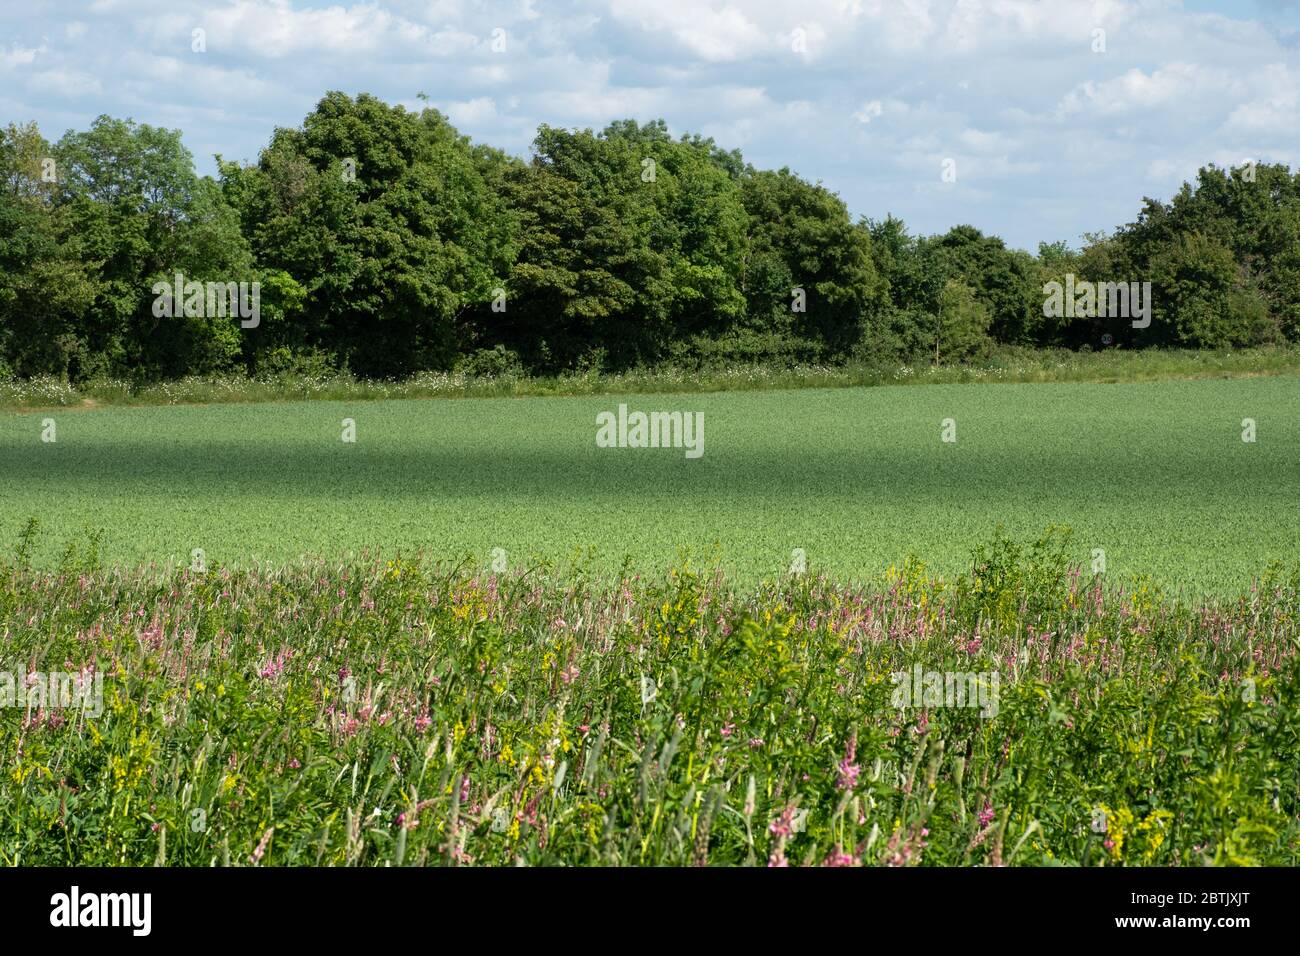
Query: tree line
[{"x": 386, "y": 243}]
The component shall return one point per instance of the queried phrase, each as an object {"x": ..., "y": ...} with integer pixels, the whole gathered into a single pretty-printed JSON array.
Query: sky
[{"x": 1035, "y": 120}]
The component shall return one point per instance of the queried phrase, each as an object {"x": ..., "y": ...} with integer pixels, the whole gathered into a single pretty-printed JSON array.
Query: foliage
[
  {"x": 387, "y": 245},
  {"x": 385, "y": 218},
  {"x": 391, "y": 712}
]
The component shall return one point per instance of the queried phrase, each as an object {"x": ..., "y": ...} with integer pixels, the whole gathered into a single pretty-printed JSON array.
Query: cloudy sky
[{"x": 1049, "y": 136}]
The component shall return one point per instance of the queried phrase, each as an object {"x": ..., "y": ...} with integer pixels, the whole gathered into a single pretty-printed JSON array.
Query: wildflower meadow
[{"x": 391, "y": 710}]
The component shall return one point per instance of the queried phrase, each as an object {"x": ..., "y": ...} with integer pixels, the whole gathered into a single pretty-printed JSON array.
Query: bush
[{"x": 497, "y": 362}]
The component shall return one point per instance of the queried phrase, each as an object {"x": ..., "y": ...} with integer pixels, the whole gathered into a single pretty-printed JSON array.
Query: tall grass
[
  {"x": 1011, "y": 366},
  {"x": 392, "y": 711}
]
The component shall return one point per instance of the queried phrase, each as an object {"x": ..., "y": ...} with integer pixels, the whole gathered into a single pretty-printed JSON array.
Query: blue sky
[{"x": 1049, "y": 138}]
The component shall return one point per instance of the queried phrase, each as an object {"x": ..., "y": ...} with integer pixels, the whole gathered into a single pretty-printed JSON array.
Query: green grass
[
  {"x": 1155, "y": 474},
  {"x": 1006, "y": 366}
]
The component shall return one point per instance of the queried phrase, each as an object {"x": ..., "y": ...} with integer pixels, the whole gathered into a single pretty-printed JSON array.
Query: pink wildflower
[{"x": 847, "y": 768}]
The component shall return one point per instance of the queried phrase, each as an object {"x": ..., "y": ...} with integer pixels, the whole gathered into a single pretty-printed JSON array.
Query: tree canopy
[{"x": 386, "y": 243}]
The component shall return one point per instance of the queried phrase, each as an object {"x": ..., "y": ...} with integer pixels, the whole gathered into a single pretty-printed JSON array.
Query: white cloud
[
  {"x": 869, "y": 111},
  {"x": 65, "y": 83},
  {"x": 1168, "y": 86},
  {"x": 710, "y": 31},
  {"x": 471, "y": 112},
  {"x": 1273, "y": 108},
  {"x": 19, "y": 56},
  {"x": 1051, "y": 139}
]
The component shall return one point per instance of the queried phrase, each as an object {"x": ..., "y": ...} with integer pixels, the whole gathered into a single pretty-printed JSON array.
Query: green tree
[
  {"x": 130, "y": 200},
  {"x": 1202, "y": 297},
  {"x": 801, "y": 238},
  {"x": 1222, "y": 257},
  {"x": 629, "y": 242},
  {"x": 961, "y": 331},
  {"x": 384, "y": 218},
  {"x": 1003, "y": 279}
]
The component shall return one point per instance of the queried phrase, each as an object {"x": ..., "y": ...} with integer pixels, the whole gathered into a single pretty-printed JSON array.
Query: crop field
[
  {"x": 721, "y": 653},
  {"x": 1154, "y": 478}
]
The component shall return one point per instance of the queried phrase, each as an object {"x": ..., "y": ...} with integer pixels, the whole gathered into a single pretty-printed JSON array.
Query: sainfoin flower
[
  {"x": 783, "y": 825},
  {"x": 839, "y": 858},
  {"x": 847, "y": 768}
]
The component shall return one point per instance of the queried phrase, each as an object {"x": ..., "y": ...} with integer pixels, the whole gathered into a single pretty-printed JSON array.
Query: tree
[
  {"x": 384, "y": 218},
  {"x": 1222, "y": 257},
  {"x": 801, "y": 238},
  {"x": 43, "y": 291},
  {"x": 1003, "y": 279},
  {"x": 130, "y": 195},
  {"x": 961, "y": 331},
  {"x": 630, "y": 242},
  {"x": 385, "y": 242},
  {"x": 1203, "y": 300}
]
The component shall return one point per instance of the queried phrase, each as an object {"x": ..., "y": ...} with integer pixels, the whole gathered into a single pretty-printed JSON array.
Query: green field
[{"x": 1155, "y": 474}]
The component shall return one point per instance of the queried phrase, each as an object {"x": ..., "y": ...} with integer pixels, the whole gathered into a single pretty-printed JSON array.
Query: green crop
[{"x": 1154, "y": 475}]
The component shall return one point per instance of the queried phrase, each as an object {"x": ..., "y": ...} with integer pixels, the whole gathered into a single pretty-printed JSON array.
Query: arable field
[
  {"x": 1155, "y": 475},
  {"x": 1001, "y": 700}
]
